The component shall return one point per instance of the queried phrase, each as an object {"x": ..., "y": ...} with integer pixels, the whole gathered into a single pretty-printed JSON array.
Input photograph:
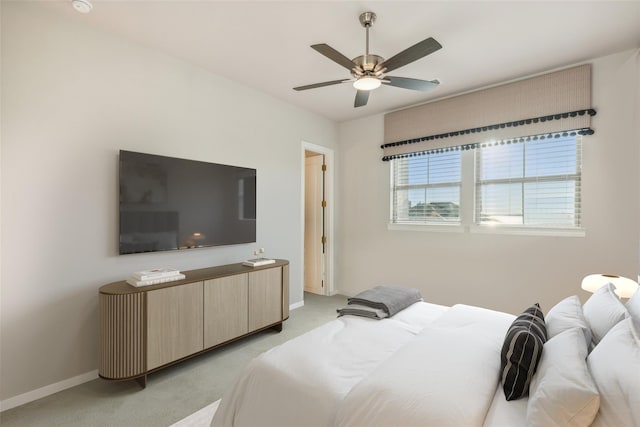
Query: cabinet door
[
  {"x": 225, "y": 309},
  {"x": 265, "y": 297},
  {"x": 174, "y": 323}
]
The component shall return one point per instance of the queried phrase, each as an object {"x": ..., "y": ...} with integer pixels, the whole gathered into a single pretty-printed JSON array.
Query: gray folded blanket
[
  {"x": 391, "y": 299},
  {"x": 362, "y": 310}
]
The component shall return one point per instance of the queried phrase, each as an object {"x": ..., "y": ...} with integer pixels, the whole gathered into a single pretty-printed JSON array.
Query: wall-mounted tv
[{"x": 168, "y": 203}]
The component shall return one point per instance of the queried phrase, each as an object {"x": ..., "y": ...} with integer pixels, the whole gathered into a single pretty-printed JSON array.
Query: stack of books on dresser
[
  {"x": 257, "y": 262},
  {"x": 154, "y": 277}
]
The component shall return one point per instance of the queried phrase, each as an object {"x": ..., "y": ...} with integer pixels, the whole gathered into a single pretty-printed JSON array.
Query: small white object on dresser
[
  {"x": 257, "y": 262},
  {"x": 137, "y": 283},
  {"x": 155, "y": 273}
]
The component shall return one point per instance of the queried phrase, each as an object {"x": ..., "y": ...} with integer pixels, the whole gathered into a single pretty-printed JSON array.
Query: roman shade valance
[{"x": 547, "y": 104}]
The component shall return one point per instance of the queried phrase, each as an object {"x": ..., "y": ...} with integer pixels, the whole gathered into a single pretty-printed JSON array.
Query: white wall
[
  {"x": 504, "y": 272},
  {"x": 72, "y": 96}
]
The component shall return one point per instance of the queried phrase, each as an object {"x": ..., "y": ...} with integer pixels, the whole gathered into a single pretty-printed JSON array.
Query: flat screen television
[{"x": 168, "y": 203}]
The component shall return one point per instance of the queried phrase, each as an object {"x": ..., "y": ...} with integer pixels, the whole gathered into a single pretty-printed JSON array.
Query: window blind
[
  {"x": 548, "y": 103},
  {"x": 426, "y": 189},
  {"x": 532, "y": 183}
]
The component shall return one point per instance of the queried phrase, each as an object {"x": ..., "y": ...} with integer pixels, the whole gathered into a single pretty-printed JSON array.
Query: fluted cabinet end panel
[{"x": 122, "y": 329}]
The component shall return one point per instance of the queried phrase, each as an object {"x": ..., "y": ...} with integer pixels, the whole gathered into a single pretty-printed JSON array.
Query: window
[
  {"x": 426, "y": 188},
  {"x": 532, "y": 183},
  {"x": 529, "y": 182}
]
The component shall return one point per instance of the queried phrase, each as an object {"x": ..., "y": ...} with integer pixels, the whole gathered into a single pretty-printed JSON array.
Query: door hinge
[
  {"x": 324, "y": 168},
  {"x": 324, "y": 203},
  {"x": 324, "y": 240}
]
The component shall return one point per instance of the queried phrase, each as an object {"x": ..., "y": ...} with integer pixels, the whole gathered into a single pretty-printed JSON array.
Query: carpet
[{"x": 201, "y": 418}]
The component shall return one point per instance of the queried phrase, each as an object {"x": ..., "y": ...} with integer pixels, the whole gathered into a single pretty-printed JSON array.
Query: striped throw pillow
[{"x": 521, "y": 352}]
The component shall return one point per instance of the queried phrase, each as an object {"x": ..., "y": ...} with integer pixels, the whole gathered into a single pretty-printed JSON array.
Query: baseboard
[
  {"x": 47, "y": 390},
  {"x": 296, "y": 305}
]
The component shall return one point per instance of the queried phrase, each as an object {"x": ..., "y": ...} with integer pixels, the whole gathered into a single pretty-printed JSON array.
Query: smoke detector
[{"x": 82, "y": 6}]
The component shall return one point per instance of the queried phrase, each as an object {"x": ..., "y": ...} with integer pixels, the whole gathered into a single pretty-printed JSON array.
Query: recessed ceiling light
[{"x": 82, "y": 6}]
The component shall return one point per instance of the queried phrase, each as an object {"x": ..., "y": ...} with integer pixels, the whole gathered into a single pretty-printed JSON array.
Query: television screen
[{"x": 168, "y": 203}]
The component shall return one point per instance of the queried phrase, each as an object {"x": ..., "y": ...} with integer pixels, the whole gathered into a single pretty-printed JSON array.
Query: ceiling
[{"x": 265, "y": 44}]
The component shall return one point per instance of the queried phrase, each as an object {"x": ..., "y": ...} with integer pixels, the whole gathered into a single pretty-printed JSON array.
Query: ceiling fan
[{"x": 369, "y": 70}]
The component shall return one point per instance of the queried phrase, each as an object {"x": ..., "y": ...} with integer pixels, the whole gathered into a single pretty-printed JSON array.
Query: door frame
[{"x": 329, "y": 220}]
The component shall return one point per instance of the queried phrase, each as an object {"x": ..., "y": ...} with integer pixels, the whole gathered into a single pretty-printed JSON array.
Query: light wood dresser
[{"x": 148, "y": 328}]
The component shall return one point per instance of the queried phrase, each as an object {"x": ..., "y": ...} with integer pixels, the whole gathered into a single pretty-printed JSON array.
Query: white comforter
[
  {"x": 446, "y": 376},
  {"x": 428, "y": 365}
]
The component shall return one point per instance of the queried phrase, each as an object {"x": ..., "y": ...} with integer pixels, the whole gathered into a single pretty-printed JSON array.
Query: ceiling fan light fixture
[{"x": 367, "y": 83}]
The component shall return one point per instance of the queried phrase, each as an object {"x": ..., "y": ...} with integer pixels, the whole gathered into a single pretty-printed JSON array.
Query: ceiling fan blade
[
  {"x": 334, "y": 55},
  {"x": 413, "y": 84},
  {"x": 315, "y": 85},
  {"x": 415, "y": 52},
  {"x": 362, "y": 96}
]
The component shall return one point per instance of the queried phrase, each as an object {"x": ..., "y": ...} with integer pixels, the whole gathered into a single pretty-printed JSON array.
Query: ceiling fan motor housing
[{"x": 367, "y": 65}]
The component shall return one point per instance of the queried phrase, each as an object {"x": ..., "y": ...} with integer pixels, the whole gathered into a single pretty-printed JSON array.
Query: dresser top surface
[{"x": 122, "y": 287}]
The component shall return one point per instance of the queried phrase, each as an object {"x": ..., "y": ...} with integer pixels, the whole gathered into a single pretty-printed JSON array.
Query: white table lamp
[{"x": 624, "y": 287}]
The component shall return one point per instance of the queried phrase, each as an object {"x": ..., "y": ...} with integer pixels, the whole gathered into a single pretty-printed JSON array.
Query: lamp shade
[{"x": 624, "y": 287}]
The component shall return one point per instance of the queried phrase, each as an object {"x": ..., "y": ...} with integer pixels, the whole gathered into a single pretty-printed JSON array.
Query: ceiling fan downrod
[
  {"x": 367, "y": 19},
  {"x": 367, "y": 65}
]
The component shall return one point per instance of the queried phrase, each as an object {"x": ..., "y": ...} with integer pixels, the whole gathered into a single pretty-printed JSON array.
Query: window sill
[
  {"x": 447, "y": 228},
  {"x": 528, "y": 231},
  {"x": 489, "y": 229}
]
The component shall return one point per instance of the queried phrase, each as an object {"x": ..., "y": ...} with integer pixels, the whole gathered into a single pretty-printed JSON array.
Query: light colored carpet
[{"x": 172, "y": 393}]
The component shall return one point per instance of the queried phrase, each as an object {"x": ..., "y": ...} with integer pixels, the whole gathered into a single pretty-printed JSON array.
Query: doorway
[{"x": 317, "y": 208}]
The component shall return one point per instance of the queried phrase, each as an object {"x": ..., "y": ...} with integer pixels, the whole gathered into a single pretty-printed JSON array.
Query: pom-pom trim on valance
[{"x": 553, "y": 135}]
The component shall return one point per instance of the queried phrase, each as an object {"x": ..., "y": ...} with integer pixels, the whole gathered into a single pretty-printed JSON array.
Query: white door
[{"x": 313, "y": 224}]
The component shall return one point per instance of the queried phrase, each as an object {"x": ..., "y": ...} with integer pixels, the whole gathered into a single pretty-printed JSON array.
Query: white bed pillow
[
  {"x": 615, "y": 367},
  {"x": 602, "y": 311},
  {"x": 562, "y": 392},
  {"x": 567, "y": 314},
  {"x": 633, "y": 305}
]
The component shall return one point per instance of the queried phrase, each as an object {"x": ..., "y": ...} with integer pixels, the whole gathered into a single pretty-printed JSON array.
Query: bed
[{"x": 432, "y": 365}]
